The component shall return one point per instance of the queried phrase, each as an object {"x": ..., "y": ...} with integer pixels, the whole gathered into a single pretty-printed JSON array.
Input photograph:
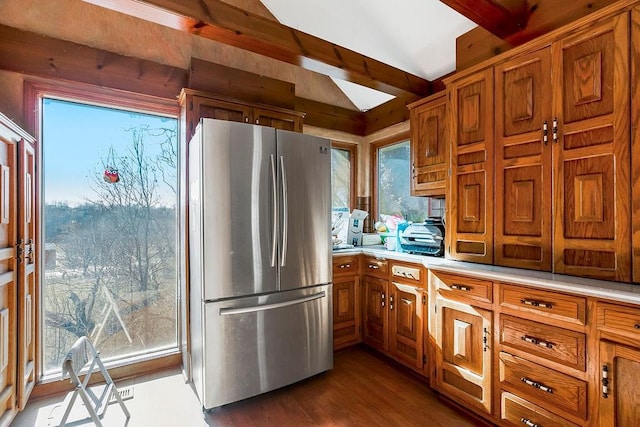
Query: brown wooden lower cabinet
[
  {"x": 618, "y": 368},
  {"x": 376, "y": 330},
  {"x": 346, "y": 312},
  {"x": 463, "y": 353},
  {"x": 406, "y": 325}
]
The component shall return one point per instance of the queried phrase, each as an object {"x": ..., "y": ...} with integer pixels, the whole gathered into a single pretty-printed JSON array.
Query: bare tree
[{"x": 123, "y": 241}]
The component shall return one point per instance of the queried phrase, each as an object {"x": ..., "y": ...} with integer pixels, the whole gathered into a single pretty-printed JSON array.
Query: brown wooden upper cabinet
[
  {"x": 470, "y": 219},
  {"x": 562, "y": 155},
  {"x": 429, "y": 146},
  {"x": 196, "y": 105}
]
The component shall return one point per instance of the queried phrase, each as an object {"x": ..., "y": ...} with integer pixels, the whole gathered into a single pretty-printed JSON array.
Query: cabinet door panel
[
  {"x": 375, "y": 322},
  {"x": 463, "y": 363},
  {"x": 406, "y": 321},
  {"x": 8, "y": 272},
  {"x": 346, "y": 311},
  {"x": 27, "y": 279},
  {"x": 470, "y": 230},
  {"x": 591, "y": 155},
  {"x": 523, "y": 159},
  {"x": 429, "y": 147},
  {"x": 619, "y": 401}
]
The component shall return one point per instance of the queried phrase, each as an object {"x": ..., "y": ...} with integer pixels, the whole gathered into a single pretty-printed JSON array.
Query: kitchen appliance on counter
[
  {"x": 424, "y": 238},
  {"x": 260, "y": 259}
]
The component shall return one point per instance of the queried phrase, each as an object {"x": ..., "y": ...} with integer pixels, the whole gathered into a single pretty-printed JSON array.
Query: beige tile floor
[{"x": 162, "y": 399}]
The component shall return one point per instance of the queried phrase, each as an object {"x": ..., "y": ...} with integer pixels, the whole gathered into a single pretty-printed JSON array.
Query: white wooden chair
[{"x": 80, "y": 354}]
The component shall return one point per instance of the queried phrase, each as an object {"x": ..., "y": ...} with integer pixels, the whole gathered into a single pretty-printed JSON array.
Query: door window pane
[
  {"x": 394, "y": 185},
  {"x": 109, "y": 214}
]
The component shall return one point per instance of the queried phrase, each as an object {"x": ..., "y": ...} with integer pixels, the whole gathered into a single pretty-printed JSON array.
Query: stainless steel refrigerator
[{"x": 260, "y": 259}]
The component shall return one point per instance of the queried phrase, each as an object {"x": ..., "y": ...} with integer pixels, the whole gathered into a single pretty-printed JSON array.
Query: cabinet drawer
[
  {"x": 552, "y": 343},
  {"x": 543, "y": 386},
  {"x": 349, "y": 264},
  {"x": 464, "y": 289},
  {"x": 544, "y": 304},
  {"x": 619, "y": 320},
  {"x": 408, "y": 273},
  {"x": 518, "y": 412},
  {"x": 376, "y": 266}
]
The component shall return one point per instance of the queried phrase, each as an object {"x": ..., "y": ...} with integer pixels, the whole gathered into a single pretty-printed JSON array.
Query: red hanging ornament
[{"x": 111, "y": 175}]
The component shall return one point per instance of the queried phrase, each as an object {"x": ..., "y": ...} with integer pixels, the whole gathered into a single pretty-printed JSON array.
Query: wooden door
[
  {"x": 376, "y": 332},
  {"x": 463, "y": 361},
  {"x": 406, "y": 322},
  {"x": 346, "y": 311},
  {"x": 523, "y": 162},
  {"x": 619, "y": 400},
  {"x": 277, "y": 119},
  {"x": 27, "y": 273},
  {"x": 591, "y": 152},
  {"x": 470, "y": 225},
  {"x": 429, "y": 146},
  {"x": 8, "y": 271}
]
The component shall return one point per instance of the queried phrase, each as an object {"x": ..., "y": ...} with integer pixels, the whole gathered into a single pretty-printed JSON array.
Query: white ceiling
[{"x": 417, "y": 36}]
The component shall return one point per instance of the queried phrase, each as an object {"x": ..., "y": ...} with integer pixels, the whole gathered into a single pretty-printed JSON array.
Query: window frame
[
  {"x": 35, "y": 89},
  {"x": 353, "y": 169},
  {"x": 375, "y": 147}
]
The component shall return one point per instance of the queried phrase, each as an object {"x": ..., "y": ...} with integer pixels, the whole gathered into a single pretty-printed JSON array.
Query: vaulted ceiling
[{"x": 343, "y": 57}]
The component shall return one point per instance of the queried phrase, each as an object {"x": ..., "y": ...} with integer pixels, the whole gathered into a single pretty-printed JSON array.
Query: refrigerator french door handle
[
  {"x": 274, "y": 236},
  {"x": 263, "y": 307},
  {"x": 285, "y": 213}
]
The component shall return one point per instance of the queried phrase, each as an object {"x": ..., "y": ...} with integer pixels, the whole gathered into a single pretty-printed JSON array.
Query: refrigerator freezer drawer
[{"x": 256, "y": 344}]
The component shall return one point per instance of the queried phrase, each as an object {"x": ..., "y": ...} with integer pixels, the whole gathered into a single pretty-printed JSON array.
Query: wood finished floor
[{"x": 361, "y": 390}]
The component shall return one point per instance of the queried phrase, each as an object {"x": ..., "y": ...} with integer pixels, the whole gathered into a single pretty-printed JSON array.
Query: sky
[{"x": 77, "y": 139}]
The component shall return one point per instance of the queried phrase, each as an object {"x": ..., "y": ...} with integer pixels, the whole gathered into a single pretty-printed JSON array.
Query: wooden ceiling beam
[
  {"x": 493, "y": 16},
  {"x": 219, "y": 21}
]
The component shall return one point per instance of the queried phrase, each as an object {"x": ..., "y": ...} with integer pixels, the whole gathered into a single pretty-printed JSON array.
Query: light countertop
[{"x": 615, "y": 291}]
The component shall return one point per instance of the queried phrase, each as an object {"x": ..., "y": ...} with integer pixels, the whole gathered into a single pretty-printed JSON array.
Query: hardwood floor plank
[{"x": 361, "y": 390}]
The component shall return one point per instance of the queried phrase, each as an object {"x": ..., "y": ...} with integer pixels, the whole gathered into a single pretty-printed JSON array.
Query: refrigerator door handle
[
  {"x": 274, "y": 236},
  {"x": 263, "y": 307},
  {"x": 285, "y": 213}
]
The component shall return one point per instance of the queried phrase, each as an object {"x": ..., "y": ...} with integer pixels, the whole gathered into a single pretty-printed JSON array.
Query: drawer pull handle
[
  {"x": 374, "y": 266},
  {"x": 536, "y": 341},
  {"x": 345, "y": 265},
  {"x": 637, "y": 326},
  {"x": 605, "y": 381},
  {"x": 528, "y": 422},
  {"x": 535, "y": 303},
  {"x": 536, "y": 385},
  {"x": 461, "y": 288}
]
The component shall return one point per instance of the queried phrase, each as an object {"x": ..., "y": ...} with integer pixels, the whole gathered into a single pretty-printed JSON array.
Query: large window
[
  {"x": 342, "y": 176},
  {"x": 109, "y": 230},
  {"x": 393, "y": 184}
]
